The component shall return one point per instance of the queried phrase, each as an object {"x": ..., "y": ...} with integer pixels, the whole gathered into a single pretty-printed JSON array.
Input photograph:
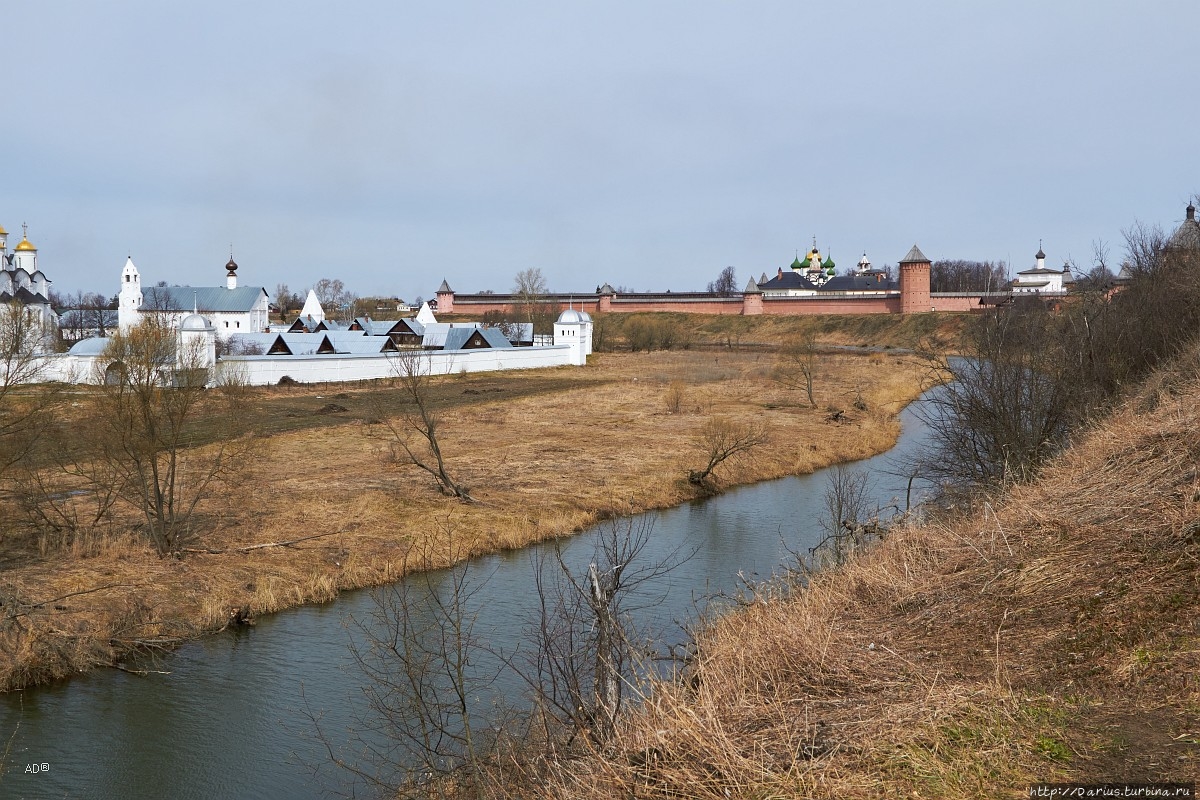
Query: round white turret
[{"x": 197, "y": 342}]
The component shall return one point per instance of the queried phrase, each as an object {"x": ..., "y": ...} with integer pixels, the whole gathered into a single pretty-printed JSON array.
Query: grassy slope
[
  {"x": 547, "y": 452},
  {"x": 1053, "y": 635}
]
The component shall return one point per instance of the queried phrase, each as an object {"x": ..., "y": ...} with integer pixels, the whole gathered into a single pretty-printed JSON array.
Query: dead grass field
[
  {"x": 1052, "y": 635},
  {"x": 546, "y": 453}
]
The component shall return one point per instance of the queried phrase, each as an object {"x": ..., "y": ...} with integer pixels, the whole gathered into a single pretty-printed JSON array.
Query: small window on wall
[
  {"x": 226, "y": 323},
  {"x": 239, "y": 324}
]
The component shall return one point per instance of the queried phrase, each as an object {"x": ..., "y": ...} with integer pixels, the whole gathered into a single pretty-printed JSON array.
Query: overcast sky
[{"x": 646, "y": 144}]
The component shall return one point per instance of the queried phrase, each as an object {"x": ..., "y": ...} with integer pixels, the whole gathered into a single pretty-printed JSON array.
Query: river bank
[
  {"x": 580, "y": 445},
  {"x": 1048, "y": 635}
]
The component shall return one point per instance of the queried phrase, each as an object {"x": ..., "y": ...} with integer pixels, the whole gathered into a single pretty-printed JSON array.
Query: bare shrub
[
  {"x": 587, "y": 656},
  {"x": 796, "y": 366},
  {"x": 145, "y": 428},
  {"x": 414, "y": 433},
  {"x": 673, "y": 397},
  {"x": 720, "y": 440}
]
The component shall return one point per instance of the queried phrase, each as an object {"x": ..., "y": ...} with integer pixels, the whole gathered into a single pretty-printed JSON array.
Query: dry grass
[
  {"x": 547, "y": 453},
  {"x": 1049, "y": 636}
]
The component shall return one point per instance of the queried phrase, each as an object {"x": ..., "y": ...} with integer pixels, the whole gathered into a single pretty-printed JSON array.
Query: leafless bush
[
  {"x": 673, "y": 397},
  {"x": 414, "y": 432},
  {"x": 1034, "y": 375},
  {"x": 416, "y": 649},
  {"x": 146, "y": 426},
  {"x": 796, "y": 366},
  {"x": 720, "y": 440},
  {"x": 587, "y": 654}
]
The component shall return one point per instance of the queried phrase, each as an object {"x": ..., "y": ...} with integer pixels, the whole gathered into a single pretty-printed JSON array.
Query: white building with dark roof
[
  {"x": 230, "y": 309},
  {"x": 1042, "y": 279}
]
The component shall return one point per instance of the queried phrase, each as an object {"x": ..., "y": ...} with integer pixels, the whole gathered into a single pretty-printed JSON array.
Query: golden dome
[
  {"x": 2, "y": 231},
  {"x": 26, "y": 245}
]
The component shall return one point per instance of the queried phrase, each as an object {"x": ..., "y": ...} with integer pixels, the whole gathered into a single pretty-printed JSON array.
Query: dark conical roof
[
  {"x": 445, "y": 287},
  {"x": 752, "y": 287},
  {"x": 915, "y": 256}
]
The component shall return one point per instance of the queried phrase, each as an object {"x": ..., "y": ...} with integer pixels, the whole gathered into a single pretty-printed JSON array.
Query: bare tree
[
  {"x": 530, "y": 302},
  {"x": 334, "y": 298},
  {"x": 143, "y": 430},
  {"x": 25, "y": 409},
  {"x": 1144, "y": 247},
  {"x": 284, "y": 300},
  {"x": 796, "y": 366},
  {"x": 847, "y": 502},
  {"x": 587, "y": 652},
  {"x": 725, "y": 284},
  {"x": 721, "y": 439},
  {"x": 1008, "y": 406},
  {"x": 418, "y": 651},
  {"x": 958, "y": 275},
  {"x": 414, "y": 433}
]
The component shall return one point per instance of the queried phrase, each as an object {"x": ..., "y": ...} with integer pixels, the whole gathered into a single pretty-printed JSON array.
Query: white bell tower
[{"x": 129, "y": 300}]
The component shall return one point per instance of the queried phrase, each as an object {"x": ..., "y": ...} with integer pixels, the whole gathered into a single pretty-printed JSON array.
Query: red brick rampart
[{"x": 476, "y": 305}]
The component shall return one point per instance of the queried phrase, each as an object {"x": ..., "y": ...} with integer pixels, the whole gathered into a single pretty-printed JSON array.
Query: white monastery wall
[{"x": 267, "y": 370}]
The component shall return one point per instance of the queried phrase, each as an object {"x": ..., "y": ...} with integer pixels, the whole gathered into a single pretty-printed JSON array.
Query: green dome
[
  {"x": 828, "y": 263},
  {"x": 806, "y": 263},
  {"x": 796, "y": 264}
]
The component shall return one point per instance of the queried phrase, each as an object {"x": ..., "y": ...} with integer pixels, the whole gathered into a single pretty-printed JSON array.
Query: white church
[
  {"x": 21, "y": 280},
  {"x": 230, "y": 309}
]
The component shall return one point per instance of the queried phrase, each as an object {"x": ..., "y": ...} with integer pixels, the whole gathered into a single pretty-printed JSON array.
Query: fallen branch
[
  {"x": 249, "y": 547},
  {"x": 140, "y": 671},
  {"x": 33, "y": 606}
]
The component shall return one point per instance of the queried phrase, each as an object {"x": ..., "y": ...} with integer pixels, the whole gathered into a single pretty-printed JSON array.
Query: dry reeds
[{"x": 1041, "y": 637}]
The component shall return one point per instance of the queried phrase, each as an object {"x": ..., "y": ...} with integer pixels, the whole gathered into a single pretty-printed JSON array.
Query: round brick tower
[{"x": 914, "y": 282}]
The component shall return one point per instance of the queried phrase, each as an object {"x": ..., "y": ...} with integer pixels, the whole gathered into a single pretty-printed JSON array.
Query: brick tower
[{"x": 914, "y": 282}]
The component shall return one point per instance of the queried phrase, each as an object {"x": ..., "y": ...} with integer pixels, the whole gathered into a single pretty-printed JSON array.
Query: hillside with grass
[{"x": 1047, "y": 633}]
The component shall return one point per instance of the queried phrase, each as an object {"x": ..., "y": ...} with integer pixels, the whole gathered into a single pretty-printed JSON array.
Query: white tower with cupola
[{"x": 129, "y": 300}]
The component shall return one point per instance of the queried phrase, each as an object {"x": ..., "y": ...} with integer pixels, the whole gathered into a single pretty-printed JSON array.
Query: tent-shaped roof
[
  {"x": 425, "y": 315},
  {"x": 312, "y": 307},
  {"x": 914, "y": 256}
]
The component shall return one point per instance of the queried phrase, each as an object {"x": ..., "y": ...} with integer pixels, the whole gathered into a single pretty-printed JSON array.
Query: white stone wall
[{"x": 267, "y": 370}]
